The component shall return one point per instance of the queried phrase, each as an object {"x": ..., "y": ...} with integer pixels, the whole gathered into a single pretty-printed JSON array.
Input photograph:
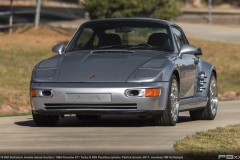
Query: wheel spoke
[
  {"x": 213, "y": 95},
  {"x": 174, "y": 100}
]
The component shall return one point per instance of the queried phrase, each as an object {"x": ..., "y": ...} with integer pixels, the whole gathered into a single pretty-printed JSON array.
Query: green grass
[
  {"x": 225, "y": 57},
  {"x": 209, "y": 144},
  {"x": 19, "y": 53},
  {"x": 14, "y": 114},
  {"x": 27, "y": 46}
]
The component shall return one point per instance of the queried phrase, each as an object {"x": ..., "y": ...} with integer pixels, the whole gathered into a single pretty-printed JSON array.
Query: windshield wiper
[
  {"x": 161, "y": 48},
  {"x": 150, "y": 47},
  {"x": 141, "y": 46},
  {"x": 116, "y": 46}
]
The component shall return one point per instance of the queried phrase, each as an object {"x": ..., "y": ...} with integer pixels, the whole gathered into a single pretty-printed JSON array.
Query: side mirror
[
  {"x": 59, "y": 48},
  {"x": 189, "y": 49}
]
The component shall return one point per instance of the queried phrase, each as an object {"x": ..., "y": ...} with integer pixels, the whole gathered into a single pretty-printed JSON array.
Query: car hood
[{"x": 102, "y": 66}]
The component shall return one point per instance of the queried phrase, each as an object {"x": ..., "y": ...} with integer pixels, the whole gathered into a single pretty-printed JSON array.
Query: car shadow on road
[
  {"x": 105, "y": 121},
  {"x": 184, "y": 119}
]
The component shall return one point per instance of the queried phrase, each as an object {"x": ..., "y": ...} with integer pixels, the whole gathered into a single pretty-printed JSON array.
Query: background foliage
[{"x": 163, "y": 9}]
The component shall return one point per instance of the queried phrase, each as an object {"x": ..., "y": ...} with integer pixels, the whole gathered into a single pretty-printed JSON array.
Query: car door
[{"x": 186, "y": 65}]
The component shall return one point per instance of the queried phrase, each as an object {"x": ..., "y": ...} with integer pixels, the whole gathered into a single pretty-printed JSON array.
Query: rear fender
[{"x": 206, "y": 68}]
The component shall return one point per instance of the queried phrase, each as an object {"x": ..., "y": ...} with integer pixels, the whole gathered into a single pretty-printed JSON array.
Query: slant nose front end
[{"x": 101, "y": 98}]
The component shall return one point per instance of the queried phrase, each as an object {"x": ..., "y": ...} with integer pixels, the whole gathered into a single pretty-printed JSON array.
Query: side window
[
  {"x": 83, "y": 39},
  {"x": 178, "y": 36}
]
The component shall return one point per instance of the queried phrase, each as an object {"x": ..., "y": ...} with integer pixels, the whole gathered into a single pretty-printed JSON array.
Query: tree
[{"x": 163, "y": 9}]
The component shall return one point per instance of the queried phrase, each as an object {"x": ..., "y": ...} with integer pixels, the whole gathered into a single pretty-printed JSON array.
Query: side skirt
[{"x": 192, "y": 103}]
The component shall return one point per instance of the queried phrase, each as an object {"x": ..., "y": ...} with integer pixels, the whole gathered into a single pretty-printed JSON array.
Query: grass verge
[
  {"x": 225, "y": 57},
  {"x": 209, "y": 144},
  {"x": 14, "y": 114},
  {"x": 19, "y": 53}
]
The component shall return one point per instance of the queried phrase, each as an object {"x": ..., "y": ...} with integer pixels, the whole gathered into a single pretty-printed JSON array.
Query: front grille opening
[{"x": 90, "y": 106}]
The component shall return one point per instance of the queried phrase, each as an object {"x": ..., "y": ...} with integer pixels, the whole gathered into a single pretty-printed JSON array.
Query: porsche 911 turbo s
[{"x": 137, "y": 66}]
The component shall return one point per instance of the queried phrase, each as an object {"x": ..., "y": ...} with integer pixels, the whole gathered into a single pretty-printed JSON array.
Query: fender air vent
[{"x": 200, "y": 81}]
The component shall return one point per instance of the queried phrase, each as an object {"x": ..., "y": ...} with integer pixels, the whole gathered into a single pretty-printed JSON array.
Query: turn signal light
[
  {"x": 33, "y": 92},
  {"x": 152, "y": 92}
]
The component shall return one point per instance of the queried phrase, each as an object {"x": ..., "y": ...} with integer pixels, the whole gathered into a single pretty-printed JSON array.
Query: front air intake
[
  {"x": 134, "y": 92},
  {"x": 47, "y": 93},
  {"x": 54, "y": 106}
]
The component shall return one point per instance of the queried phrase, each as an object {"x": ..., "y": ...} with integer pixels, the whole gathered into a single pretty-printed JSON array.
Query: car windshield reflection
[{"x": 122, "y": 35}]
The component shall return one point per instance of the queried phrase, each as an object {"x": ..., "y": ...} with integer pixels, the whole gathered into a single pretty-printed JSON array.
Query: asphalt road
[
  {"x": 212, "y": 32},
  {"x": 110, "y": 135}
]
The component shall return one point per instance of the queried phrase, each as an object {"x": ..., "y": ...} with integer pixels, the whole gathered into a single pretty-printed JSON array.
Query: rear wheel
[
  {"x": 209, "y": 112},
  {"x": 45, "y": 120},
  {"x": 170, "y": 116},
  {"x": 88, "y": 117}
]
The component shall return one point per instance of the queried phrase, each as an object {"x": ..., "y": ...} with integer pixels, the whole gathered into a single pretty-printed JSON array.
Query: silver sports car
[{"x": 138, "y": 66}]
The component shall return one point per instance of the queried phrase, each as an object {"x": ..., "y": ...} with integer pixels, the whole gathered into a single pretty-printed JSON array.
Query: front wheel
[
  {"x": 45, "y": 120},
  {"x": 170, "y": 116},
  {"x": 209, "y": 112}
]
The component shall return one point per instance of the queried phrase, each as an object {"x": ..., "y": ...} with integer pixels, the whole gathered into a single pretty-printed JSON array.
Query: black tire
[
  {"x": 88, "y": 117},
  {"x": 206, "y": 112},
  {"x": 166, "y": 118},
  {"x": 45, "y": 120}
]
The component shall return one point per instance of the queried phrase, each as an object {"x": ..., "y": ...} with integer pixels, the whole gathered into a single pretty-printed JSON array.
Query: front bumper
[{"x": 119, "y": 103}]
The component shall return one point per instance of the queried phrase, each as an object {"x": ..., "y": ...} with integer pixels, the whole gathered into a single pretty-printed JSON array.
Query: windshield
[{"x": 122, "y": 35}]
